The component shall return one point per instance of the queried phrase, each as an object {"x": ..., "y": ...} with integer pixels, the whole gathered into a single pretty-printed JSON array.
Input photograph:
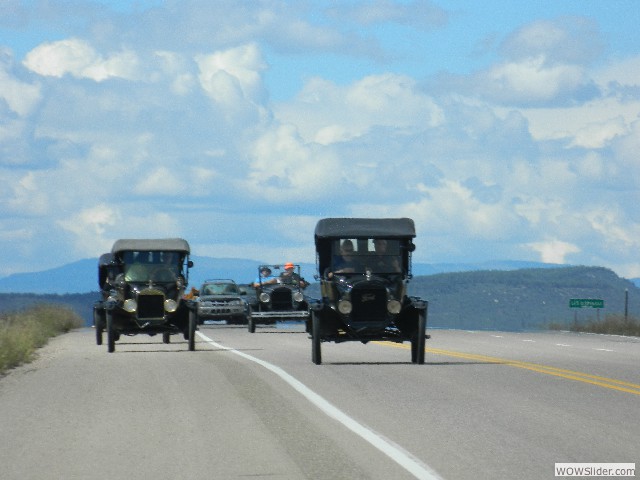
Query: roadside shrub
[
  {"x": 614, "y": 324},
  {"x": 22, "y": 333}
]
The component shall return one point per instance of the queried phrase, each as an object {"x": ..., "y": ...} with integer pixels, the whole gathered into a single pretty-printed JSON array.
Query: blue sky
[{"x": 507, "y": 130}]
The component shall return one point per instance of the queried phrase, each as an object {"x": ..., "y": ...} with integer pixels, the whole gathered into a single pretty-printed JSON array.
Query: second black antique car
[
  {"x": 279, "y": 296},
  {"x": 142, "y": 283},
  {"x": 364, "y": 266}
]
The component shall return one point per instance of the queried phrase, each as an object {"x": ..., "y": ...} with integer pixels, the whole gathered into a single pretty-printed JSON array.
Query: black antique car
[
  {"x": 142, "y": 285},
  {"x": 279, "y": 295},
  {"x": 364, "y": 266}
]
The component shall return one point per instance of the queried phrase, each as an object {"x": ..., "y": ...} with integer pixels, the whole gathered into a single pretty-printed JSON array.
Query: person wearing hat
[
  {"x": 290, "y": 277},
  {"x": 265, "y": 277}
]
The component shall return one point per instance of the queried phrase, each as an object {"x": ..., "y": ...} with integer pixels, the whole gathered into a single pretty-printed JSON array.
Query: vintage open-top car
[
  {"x": 364, "y": 266},
  {"x": 279, "y": 295},
  {"x": 142, "y": 283}
]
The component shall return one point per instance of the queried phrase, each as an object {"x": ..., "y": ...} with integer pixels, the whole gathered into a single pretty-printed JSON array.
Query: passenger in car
[
  {"x": 193, "y": 293},
  {"x": 387, "y": 263},
  {"x": 265, "y": 278}
]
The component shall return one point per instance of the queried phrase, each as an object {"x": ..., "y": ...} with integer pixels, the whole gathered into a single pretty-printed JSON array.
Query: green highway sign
[{"x": 586, "y": 303}]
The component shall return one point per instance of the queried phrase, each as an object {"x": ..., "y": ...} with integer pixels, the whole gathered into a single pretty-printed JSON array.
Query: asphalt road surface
[{"x": 485, "y": 405}]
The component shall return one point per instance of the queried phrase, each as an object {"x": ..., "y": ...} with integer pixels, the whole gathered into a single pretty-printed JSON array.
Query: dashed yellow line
[{"x": 599, "y": 381}]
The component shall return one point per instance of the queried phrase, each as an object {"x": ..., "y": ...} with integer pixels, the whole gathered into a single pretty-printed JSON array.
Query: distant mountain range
[{"x": 82, "y": 276}]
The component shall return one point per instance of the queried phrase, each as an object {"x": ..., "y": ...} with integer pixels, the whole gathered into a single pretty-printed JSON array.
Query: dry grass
[
  {"x": 612, "y": 325},
  {"x": 22, "y": 333}
]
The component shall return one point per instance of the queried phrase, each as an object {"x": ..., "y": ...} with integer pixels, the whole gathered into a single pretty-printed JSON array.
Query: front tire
[
  {"x": 418, "y": 344},
  {"x": 98, "y": 324},
  {"x": 316, "y": 347},
  {"x": 111, "y": 334},
  {"x": 193, "y": 322}
]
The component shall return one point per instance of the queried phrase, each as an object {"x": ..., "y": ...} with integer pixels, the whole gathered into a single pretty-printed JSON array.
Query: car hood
[{"x": 218, "y": 298}]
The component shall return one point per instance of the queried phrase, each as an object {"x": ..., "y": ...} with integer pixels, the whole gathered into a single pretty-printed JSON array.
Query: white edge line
[{"x": 395, "y": 452}]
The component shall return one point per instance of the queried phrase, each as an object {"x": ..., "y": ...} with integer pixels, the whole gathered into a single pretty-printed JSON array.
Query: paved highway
[{"x": 485, "y": 405}]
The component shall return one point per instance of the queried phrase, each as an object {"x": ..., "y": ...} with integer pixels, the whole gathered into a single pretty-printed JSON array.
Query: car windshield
[
  {"x": 143, "y": 266},
  {"x": 356, "y": 256},
  {"x": 220, "y": 289}
]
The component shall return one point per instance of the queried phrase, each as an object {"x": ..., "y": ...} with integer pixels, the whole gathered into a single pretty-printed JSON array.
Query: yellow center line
[{"x": 604, "y": 382}]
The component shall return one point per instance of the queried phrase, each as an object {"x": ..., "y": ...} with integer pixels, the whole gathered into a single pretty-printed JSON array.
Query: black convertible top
[
  {"x": 105, "y": 259},
  {"x": 365, "y": 228},
  {"x": 151, "y": 245}
]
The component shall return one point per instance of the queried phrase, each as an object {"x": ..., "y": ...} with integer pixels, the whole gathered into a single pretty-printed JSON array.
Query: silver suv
[{"x": 222, "y": 299}]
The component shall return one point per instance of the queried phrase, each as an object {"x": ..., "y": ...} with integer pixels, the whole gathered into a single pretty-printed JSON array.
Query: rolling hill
[{"x": 526, "y": 299}]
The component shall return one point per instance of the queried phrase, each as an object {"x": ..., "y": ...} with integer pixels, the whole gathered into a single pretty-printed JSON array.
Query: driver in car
[
  {"x": 345, "y": 262},
  {"x": 290, "y": 277}
]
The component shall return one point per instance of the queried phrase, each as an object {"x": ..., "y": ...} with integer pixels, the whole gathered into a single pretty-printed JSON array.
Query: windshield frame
[
  {"x": 142, "y": 265},
  {"x": 368, "y": 256}
]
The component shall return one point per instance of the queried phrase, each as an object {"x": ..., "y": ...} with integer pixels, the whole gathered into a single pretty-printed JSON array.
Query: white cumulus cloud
[
  {"x": 554, "y": 251},
  {"x": 325, "y": 112},
  {"x": 78, "y": 58},
  {"x": 232, "y": 75},
  {"x": 21, "y": 97}
]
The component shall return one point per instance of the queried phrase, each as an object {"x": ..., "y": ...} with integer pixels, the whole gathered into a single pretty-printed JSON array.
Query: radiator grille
[
  {"x": 281, "y": 299},
  {"x": 369, "y": 303},
  {"x": 150, "y": 305}
]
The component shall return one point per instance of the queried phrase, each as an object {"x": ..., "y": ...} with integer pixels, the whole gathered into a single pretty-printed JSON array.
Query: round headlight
[
  {"x": 394, "y": 307},
  {"x": 345, "y": 307},
  {"x": 264, "y": 297},
  {"x": 130, "y": 305},
  {"x": 298, "y": 296},
  {"x": 170, "y": 305}
]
